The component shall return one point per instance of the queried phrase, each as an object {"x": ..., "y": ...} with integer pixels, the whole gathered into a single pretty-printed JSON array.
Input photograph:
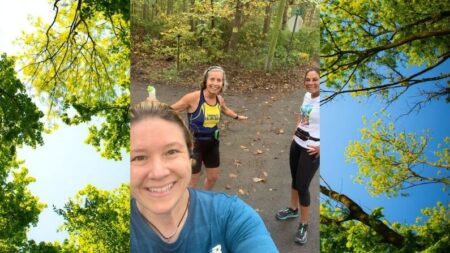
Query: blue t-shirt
[{"x": 216, "y": 223}]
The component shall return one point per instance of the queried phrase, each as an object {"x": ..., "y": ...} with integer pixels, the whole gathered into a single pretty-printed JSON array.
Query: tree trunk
[
  {"x": 267, "y": 16},
  {"x": 155, "y": 9},
  {"x": 212, "y": 17},
  {"x": 285, "y": 17},
  {"x": 357, "y": 213},
  {"x": 184, "y": 7},
  {"x": 232, "y": 44},
  {"x": 313, "y": 16},
  {"x": 191, "y": 21},
  {"x": 145, "y": 11},
  {"x": 274, "y": 36},
  {"x": 133, "y": 11},
  {"x": 308, "y": 15},
  {"x": 169, "y": 9}
]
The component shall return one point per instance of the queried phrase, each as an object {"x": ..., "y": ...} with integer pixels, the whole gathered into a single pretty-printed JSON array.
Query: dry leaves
[
  {"x": 262, "y": 178},
  {"x": 259, "y": 179},
  {"x": 258, "y": 152},
  {"x": 244, "y": 148}
]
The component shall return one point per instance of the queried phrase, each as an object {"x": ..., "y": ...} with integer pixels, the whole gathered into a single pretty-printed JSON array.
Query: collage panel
[
  {"x": 177, "y": 49},
  {"x": 385, "y": 79}
]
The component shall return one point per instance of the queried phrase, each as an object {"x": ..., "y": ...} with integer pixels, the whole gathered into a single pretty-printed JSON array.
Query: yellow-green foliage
[
  {"x": 354, "y": 236},
  {"x": 80, "y": 66},
  {"x": 369, "y": 43},
  {"x": 98, "y": 220},
  {"x": 389, "y": 161}
]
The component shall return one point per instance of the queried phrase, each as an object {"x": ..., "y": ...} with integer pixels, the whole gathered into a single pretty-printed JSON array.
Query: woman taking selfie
[{"x": 166, "y": 215}]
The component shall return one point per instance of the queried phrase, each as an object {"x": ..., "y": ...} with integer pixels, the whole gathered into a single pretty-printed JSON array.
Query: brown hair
[
  {"x": 205, "y": 77},
  {"x": 156, "y": 109},
  {"x": 315, "y": 69}
]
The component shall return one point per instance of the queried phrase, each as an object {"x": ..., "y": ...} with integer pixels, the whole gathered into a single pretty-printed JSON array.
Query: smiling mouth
[{"x": 161, "y": 189}]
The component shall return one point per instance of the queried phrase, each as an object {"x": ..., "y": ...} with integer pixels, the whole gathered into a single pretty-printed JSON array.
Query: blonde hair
[{"x": 156, "y": 109}]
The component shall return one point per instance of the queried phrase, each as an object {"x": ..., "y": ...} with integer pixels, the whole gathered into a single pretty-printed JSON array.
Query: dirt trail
[{"x": 254, "y": 149}]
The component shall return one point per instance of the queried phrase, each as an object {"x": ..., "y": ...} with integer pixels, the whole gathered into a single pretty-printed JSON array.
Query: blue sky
[
  {"x": 64, "y": 164},
  {"x": 62, "y": 167},
  {"x": 341, "y": 122}
]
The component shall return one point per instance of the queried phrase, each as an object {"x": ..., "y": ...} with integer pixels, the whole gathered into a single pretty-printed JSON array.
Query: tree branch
[
  {"x": 396, "y": 84},
  {"x": 357, "y": 213}
]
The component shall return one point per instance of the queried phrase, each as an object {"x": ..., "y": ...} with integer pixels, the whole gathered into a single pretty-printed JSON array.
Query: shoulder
[
  {"x": 243, "y": 229},
  {"x": 193, "y": 95},
  {"x": 307, "y": 96},
  {"x": 221, "y": 99},
  {"x": 215, "y": 198},
  {"x": 222, "y": 204}
]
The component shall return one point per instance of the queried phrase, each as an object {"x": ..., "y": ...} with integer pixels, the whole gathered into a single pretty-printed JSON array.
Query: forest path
[{"x": 257, "y": 148}]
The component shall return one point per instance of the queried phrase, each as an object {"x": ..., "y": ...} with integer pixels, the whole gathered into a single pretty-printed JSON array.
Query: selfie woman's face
[{"x": 160, "y": 165}]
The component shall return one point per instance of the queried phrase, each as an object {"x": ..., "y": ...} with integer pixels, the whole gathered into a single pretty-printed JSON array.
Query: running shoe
[
  {"x": 287, "y": 213},
  {"x": 302, "y": 234}
]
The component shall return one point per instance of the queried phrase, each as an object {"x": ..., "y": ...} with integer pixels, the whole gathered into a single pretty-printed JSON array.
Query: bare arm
[
  {"x": 229, "y": 112},
  {"x": 299, "y": 118},
  {"x": 185, "y": 103}
]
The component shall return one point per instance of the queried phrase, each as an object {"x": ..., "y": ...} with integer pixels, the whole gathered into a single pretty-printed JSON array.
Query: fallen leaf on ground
[
  {"x": 228, "y": 187},
  {"x": 258, "y": 152},
  {"x": 242, "y": 192},
  {"x": 237, "y": 163},
  {"x": 244, "y": 148},
  {"x": 259, "y": 179},
  {"x": 231, "y": 175}
]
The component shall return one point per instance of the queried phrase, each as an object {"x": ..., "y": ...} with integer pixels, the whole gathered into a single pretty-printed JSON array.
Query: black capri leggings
[{"x": 303, "y": 167}]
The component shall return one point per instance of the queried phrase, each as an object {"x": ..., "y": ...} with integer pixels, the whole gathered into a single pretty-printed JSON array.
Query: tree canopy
[
  {"x": 385, "y": 49},
  {"x": 367, "y": 47},
  {"x": 98, "y": 220},
  {"x": 20, "y": 124},
  {"x": 80, "y": 64}
]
